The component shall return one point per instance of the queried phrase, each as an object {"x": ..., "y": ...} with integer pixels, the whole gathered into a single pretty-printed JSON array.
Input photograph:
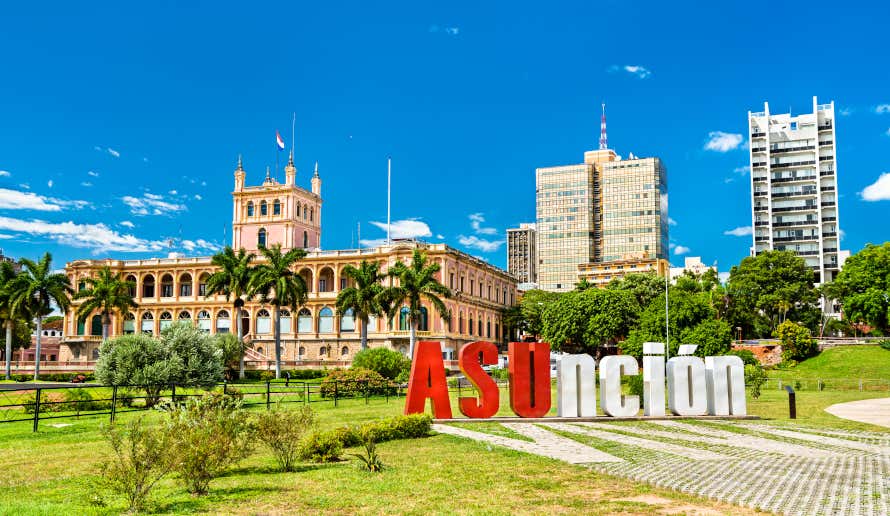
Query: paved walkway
[
  {"x": 876, "y": 411},
  {"x": 777, "y": 468}
]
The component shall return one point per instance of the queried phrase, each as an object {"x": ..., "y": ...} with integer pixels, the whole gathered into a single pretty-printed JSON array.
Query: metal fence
[
  {"x": 38, "y": 404},
  {"x": 829, "y": 384}
]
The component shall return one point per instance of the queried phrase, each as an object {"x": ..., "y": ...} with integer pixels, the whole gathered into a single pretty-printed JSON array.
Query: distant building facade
[
  {"x": 522, "y": 256},
  {"x": 599, "y": 274},
  {"x": 692, "y": 264}
]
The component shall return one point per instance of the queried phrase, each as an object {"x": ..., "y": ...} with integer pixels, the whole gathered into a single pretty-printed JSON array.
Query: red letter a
[
  {"x": 489, "y": 397},
  {"x": 529, "y": 378},
  {"x": 428, "y": 381}
]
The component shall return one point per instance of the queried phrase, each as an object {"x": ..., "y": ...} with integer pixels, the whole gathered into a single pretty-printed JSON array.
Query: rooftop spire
[
  {"x": 290, "y": 160},
  {"x": 316, "y": 169},
  {"x": 268, "y": 174},
  {"x": 604, "y": 140},
  {"x": 239, "y": 163}
]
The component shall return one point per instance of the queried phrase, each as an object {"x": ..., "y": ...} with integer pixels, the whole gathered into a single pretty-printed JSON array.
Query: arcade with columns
[{"x": 174, "y": 289}]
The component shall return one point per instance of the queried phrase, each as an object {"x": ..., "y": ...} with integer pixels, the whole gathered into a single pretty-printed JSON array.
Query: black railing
[
  {"x": 790, "y": 179},
  {"x": 794, "y": 223},
  {"x": 808, "y": 207},
  {"x": 793, "y": 149},
  {"x": 802, "y": 238},
  {"x": 792, "y": 164}
]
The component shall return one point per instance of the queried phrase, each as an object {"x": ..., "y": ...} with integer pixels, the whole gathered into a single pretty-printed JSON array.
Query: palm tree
[
  {"x": 364, "y": 299},
  {"x": 39, "y": 289},
  {"x": 277, "y": 284},
  {"x": 9, "y": 282},
  {"x": 106, "y": 293},
  {"x": 233, "y": 280},
  {"x": 417, "y": 283}
]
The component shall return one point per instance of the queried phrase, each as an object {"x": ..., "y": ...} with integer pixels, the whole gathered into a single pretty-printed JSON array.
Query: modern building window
[
  {"x": 264, "y": 208},
  {"x": 276, "y": 207},
  {"x": 167, "y": 285},
  {"x": 263, "y": 325},
  {"x": 347, "y": 321},
  {"x": 129, "y": 324},
  {"x": 166, "y": 320},
  {"x": 148, "y": 286},
  {"x": 185, "y": 285},
  {"x": 204, "y": 321},
  {"x": 261, "y": 238},
  {"x": 285, "y": 320},
  {"x": 250, "y": 209},
  {"x": 223, "y": 322},
  {"x": 326, "y": 320},
  {"x": 148, "y": 323},
  {"x": 304, "y": 321}
]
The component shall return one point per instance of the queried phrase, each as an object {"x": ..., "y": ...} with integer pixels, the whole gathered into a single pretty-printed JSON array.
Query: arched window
[
  {"x": 185, "y": 316},
  {"x": 298, "y": 210},
  {"x": 81, "y": 286},
  {"x": 259, "y": 350},
  {"x": 223, "y": 322},
  {"x": 81, "y": 326},
  {"x": 148, "y": 286},
  {"x": 424, "y": 320},
  {"x": 148, "y": 323},
  {"x": 326, "y": 280},
  {"x": 347, "y": 321},
  {"x": 250, "y": 208},
  {"x": 261, "y": 238},
  {"x": 285, "y": 319},
  {"x": 129, "y": 323},
  {"x": 311, "y": 214},
  {"x": 480, "y": 327},
  {"x": 344, "y": 352},
  {"x": 372, "y": 323},
  {"x": 204, "y": 321},
  {"x": 322, "y": 352},
  {"x": 488, "y": 329},
  {"x": 470, "y": 326},
  {"x": 326, "y": 320},
  {"x": 96, "y": 325},
  {"x": 305, "y": 240},
  {"x": 497, "y": 331},
  {"x": 305, "y": 212},
  {"x": 264, "y": 208},
  {"x": 185, "y": 285},
  {"x": 166, "y": 285},
  {"x": 166, "y": 320},
  {"x": 301, "y": 352},
  {"x": 304, "y": 321},
  {"x": 460, "y": 322},
  {"x": 276, "y": 207},
  {"x": 202, "y": 284},
  {"x": 131, "y": 285},
  {"x": 96, "y": 354},
  {"x": 404, "y": 314},
  {"x": 263, "y": 325}
]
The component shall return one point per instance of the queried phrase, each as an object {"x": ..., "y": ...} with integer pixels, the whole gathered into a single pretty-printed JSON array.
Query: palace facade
[{"x": 174, "y": 289}]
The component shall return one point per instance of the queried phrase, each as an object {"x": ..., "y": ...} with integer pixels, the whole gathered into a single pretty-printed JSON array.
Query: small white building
[{"x": 692, "y": 264}]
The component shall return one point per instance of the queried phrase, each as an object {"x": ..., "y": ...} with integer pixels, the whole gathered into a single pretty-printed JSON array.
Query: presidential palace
[{"x": 173, "y": 289}]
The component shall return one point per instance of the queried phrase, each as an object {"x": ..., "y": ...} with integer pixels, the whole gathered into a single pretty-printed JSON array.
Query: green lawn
[{"x": 841, "y": 368}]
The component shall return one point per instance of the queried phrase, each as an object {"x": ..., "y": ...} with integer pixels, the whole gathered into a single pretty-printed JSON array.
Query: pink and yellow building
[{"x": 174, "y": 289}]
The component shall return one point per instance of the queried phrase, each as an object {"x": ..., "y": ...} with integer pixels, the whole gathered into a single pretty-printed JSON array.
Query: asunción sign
[{"x": 694, "y": 386}]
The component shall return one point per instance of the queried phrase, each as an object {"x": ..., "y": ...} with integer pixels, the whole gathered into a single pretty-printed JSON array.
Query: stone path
[
  {"x": 782, "y": 469},
  {"x": 876, "y": 412}
]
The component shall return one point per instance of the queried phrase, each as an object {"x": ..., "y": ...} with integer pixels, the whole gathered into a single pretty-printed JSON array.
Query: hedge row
[{"x": 327, "y": 446}]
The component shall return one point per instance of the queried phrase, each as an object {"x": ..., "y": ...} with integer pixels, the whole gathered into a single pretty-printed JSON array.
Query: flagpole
[
  {"x": 388, "y": 199},
  {"x": 293, "y": 133}
]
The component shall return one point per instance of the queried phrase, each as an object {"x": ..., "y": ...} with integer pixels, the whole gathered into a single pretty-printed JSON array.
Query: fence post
[
  {"x": 860, "y": 385},
  {"x": 367, "y": 390},
  {"x": 306, "y": 388},
  {"x": 224, "y": 387},
  {"x": 37, "y": 409},
  {"x": 268, "y": 394},
  {"x": 113, "y": 402},
  {"x": 335, "y": 392},
  {"x": 173, "y": 393},
  {"x": 792, "y": 402}
]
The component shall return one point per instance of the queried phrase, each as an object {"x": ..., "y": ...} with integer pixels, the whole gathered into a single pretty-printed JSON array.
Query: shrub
[
  {"x": 136, "y": 360},
  {"x": 500, "y": 373},
  {"x": 370, "y": 461},
  {"x": 746, "y": 355},
  {"x": 755, "y": 377},
  {"x": 281, "y": 432},
  {"x": 713, "y": 337},
  {"x": 797, "y": 344},
  {"x": 208, "y": 435},
  {"x": 230, "y": 347},
  {"x": 321, "y": 447},
  {"x": 266, "y": 376},
  {"x": 47, "y": 404},
  {"x": 141, "y": 457},
  {"x": 355, "y": 381},
  {"x": 389, "y": 363},
  {"x": 78, "y": 400},
  {"x": 635, "y": 386},
  {"x": 885, "y": 344}
]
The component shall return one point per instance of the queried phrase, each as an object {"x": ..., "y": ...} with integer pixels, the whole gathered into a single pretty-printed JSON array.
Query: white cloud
[
  {"x": 173, "y": 192},
  {"x": 151, "y": 204},
  {"x": 882, "y": 109},
  {"x": 454, "y": 31},
  {"x": 474, "y": 242},
  {"x": 145, "y": 160},
  {"x": 93, "y": 173},
  {"x": 86, "y": 184},
  {"x": 742, "y": 170},
  {"x": 722, "y": 142},
  {"x": 49, "y": 183},
  {"x": 408, "y": 228},
  {"x": 127, "y": 224},
  {"x": 113, "y": 152},
  {"x": 641, "y": 72},
  {"x": 681, "y": 249},
  {"x": 879, "y": 190},
  {"x": 372, "y": 242},
  {"x": 5, "y": 173},
  {"x": 200, "y": 244},
  {"x": 740, "y": 231},
  {"x": 476, "y": 221},
  {"x": 440, "y": 237},
  {"x": 846, "y": 111},
  {"x": 198, "y": 197},
  {"x": 451, "y": 31},
  {"x": 98, "y": 237},
  {"x": 17, "y": 200},
  {"x": 723, "y": 277},
  {"x": 888, "y": 132},
  {"x": 26, "y": 186},
  {"x": 671, "y": 222}
]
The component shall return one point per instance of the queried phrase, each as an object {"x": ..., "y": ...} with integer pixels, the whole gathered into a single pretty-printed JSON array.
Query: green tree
[
  {"x": 687, "y": 310},
  {"x": 713, "y": 337},
  {"x": 200, "y": 361},
  {"x": 39, "y": 289},
  {"x": 276, "y": 283},
  {"x": 763, "y": 287},
  {"x": 582, "y": 321},
  {"x": 797, "y": 344},
  {"x": 417, "y": 283},
  {"x": 233, "y": 281},
  {"x": 645, "y": 287},
  {"x": 11, "y": 314},
  {"x": 106, "y": 293},
  {"x": 389, "y": 363},
  {"x": 364, "y": 297},
  {"x": 863, "y": 287},
  {"x": 531, "y": 309}
]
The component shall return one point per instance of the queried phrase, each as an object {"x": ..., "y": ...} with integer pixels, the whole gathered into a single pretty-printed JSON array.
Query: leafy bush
[
  {"x": 47, "y": 404},
  {"x": 635, "y": 386},
  {"x": 80, "y": 400},
  {"x": 746, "y": 355},
  {"x": 755, "y": 377},
  {"x": 141, "y": 457},
  {"x": 713, "y": 337},
  {"x": 796, "y": 341},
  {"x": 399, "y": 427},
  {"x": 354, "y": 381},
  {"x": 389, "y": 363},
  {"x": 370, "y": 461},
  {"x": 230, "y": 347},
  {"x": 321, "y": 447},
  {"x": 500, "y": 373},
  {"x": 885, "y": 344},
  {"x": 266, "y": 376},
  {"x": 281, "y": 432},
  {"x": 208, "y": 435}
]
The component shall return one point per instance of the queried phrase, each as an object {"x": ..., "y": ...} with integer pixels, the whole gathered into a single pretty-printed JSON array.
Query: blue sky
[{"x": 120, "y": 124}]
